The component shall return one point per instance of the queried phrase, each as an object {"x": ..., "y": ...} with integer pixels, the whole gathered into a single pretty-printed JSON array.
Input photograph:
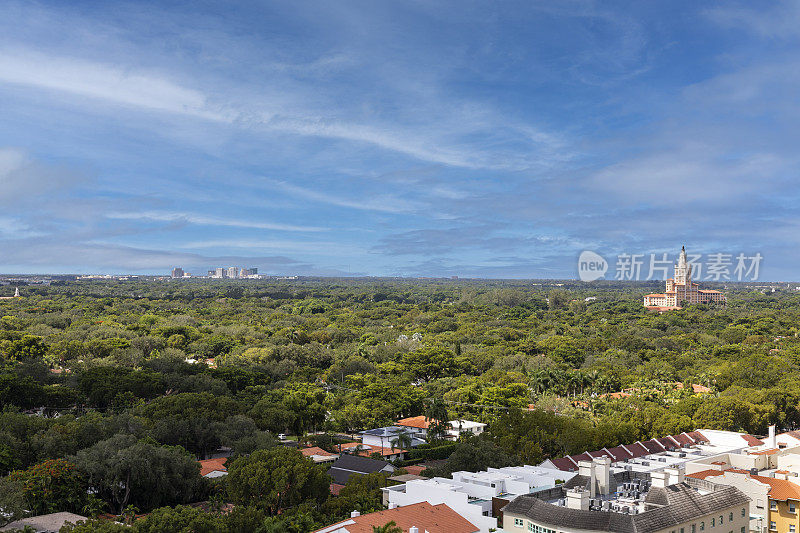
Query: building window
[
  {"x": 773, "y": 505},
  {"x": 702, "y": 526},
  {"x": 720, "y": 520},
  {"x": 742, "y": 529},
  {"x": 730, "y": 517},
  {"x": 713, "y": 522},
  {"x": 531, "y": 527},
  {"x": 791, "y": 528},
  {"x": 519, "y": 522},
  {"x": 694, "y": 528},
  {"x": 772, "y": 526},
  {"x": 743, "y": 511},
  {"x": 791, "y": 507}
]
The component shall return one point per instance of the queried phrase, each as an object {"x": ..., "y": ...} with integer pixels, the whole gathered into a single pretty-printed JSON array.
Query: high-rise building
[
  {"x": 253, "y": 271},
  {"x": 220, "y": 272},
  {"x": 177, "y": 272},
  {"x": 682, "y": 289},
  {"x": 243, "y": 273},
  {"x": 233, "y": 273}
]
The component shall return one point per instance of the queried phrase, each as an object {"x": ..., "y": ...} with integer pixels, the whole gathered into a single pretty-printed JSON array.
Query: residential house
[
  {"x": 417, "y": 518},
  {"x": 318, "y": 455},
  {"x": 418, "y": 426},
  {"x": 349, "y": 465},
  {"x": 212, "y": 468},
  {"x": 46, "y": 523},
  {"x": 386, "y": 437}
]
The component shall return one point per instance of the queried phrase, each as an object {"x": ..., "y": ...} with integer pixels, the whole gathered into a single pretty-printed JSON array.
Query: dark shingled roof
[
  {"x": 682, "y": 504},
  {"x": 697, "y": 436},
  {"x": 653, "y": 446},
  {"x": 667, "y": 443},
  {"x": 620, "y": 453},
  {"x": 347, "y": 465},
  {"x": 564, "y": 463},
  {"x": 637, "y": 449},
  {"x": 683, "y": 439}
]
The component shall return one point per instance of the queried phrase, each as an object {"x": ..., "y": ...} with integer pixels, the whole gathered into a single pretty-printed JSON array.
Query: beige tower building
[{"x": 681, "y": 289}]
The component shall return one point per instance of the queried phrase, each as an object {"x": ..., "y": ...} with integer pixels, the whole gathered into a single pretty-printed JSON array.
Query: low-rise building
[
  {"x": 418, "y": 426},
  {"x": 349, "y": 465},
  {"x": 477, "y": 496},
  {"x": 664, "y": 503},
  {"x": 211, "y": 468},
  {"x": 417, "y": 518},
  {"x": 318, "y": 455},
  {"x": 386, "y": 437}
]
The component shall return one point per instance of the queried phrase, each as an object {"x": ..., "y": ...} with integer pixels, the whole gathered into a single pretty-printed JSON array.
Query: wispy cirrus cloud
[{"x": 204, "y": 220}]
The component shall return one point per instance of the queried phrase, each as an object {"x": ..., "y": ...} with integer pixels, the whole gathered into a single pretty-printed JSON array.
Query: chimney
[
  {"x": 587, "y": 468},
  {"x": 603, "y": 474},
  {"x": 578, "y": 498},
  {"x": 673, "y": 476},
  {"x": 354, "y": 514},
  {"x": 659, "y": 479},
  {"x": 392, "y": 505},
  {"x": 772, "y": 439},
  {"x": 413, "y": 529}
]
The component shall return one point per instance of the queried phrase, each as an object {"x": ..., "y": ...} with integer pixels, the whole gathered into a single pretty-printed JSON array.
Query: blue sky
[{"x": 415, "y": 138}]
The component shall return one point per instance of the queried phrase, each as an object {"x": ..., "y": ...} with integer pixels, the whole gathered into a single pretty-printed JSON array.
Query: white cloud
[
  {"x": 105, "y": 82},
  {"x": 450, "y": 137},
  {"x": 306, "y": 247},
  {"x": 382, "y": 203},
  {"x": 164, "y": 216}
]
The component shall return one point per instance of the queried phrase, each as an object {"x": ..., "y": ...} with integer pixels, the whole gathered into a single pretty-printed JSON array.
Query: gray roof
[
  {"x": 347, "y": 465},
  {"x": 683, "y": 505},
  {"x": 46, "y": 523}
]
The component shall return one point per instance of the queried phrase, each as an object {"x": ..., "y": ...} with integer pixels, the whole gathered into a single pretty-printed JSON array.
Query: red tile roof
[
  {"x": 212, "y": 465},
  {"x": 753, "y": 441},
  {"x": 335, "y": 488},
  {"x": 381, "y": 450},
  {"x": 419, "y": 422},
  {"x": 426, "y": 517},
  {"x": 414, "y": 469},
  {"x": 779, "y": 489},
  {"x": 316, "y": 450}
]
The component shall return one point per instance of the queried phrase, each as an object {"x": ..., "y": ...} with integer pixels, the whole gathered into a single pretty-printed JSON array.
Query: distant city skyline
[{"x": 493, "y": 139}]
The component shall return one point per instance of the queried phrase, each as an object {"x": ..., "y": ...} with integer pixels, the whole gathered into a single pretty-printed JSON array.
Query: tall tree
[{"x": 277, "y": 479}]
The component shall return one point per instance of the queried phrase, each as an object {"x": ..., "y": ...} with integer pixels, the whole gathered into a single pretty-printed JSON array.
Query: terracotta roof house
[
  {"x": 415, "y": 518},
  {"x": 212, "y": 468},
  {"x": 318, "y": 455}
]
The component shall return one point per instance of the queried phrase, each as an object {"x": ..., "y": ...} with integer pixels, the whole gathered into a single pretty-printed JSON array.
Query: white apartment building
[{"x": 471, "y": 494}]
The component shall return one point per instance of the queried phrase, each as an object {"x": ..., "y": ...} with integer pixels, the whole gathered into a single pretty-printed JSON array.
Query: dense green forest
[{"x": 121, "y": 386}]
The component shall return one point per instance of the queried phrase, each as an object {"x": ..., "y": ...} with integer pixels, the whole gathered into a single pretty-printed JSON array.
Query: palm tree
[
  {"x": 390, "y": 527},
  {"x": 402, "y": 441},
  {"x": 437, "y": 414}
]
